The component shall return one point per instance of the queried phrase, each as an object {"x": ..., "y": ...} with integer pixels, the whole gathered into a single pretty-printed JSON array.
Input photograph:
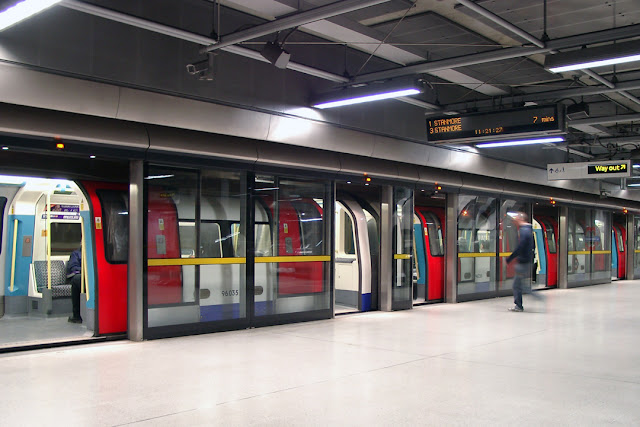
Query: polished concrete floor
[{"x": 572, "y": 359}]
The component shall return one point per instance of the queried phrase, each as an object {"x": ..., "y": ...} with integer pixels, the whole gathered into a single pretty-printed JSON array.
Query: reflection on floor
[
  {"x": 568, "y": 360},
  {"x": 344, "y": 309},
  {"x": 26, "y": 330}
]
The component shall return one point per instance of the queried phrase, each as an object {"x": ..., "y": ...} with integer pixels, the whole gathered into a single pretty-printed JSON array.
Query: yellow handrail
[
  {"x": 13, "y": 254},
  {"x": 84, "y": 287}
]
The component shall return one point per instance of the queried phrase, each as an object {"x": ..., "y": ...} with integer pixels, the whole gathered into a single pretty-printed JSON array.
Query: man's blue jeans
[{"x": 522, "y": 275}]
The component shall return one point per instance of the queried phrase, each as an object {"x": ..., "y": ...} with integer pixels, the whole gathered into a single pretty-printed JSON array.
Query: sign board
[
  {"x": 608, "y": 169},
  {"x": 59, "y": 211},
  {"x": 496, "y": 125}
]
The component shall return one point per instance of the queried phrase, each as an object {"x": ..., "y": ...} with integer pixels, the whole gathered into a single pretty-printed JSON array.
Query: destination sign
[
  {"x": 605, "y": 169},
  {"x": 495, "y": 125}
]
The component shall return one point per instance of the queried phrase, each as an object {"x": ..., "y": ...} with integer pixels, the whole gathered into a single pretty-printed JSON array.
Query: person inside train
[
  {"x": 74, "y": 270},
  {"x": 523, "y": 253}
]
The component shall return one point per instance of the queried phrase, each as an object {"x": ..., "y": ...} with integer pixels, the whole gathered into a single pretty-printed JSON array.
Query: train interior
[
  {"x": 46, "y": 214},
  {"x": 357, "y": 247}
]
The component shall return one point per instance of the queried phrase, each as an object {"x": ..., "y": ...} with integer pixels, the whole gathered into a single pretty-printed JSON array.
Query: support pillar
[
  {"x": 451, "y": 250},
  {"x": 563, "y": 248},
  {"x": 386, "y": 248},
  {"x": 135, "y": 308},
  {"x": 631, "y": 248}
]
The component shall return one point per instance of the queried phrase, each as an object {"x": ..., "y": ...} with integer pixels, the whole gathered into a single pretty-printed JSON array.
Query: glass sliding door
[
  {"x": 589, "y": 246},
  {"x": 292, "y": 254},
  {"x": 196, "y": 260},
  {"x": 477, "y": 243},
  {"x": 509, "y": 238},
  {"x": 402, "y": 295}
]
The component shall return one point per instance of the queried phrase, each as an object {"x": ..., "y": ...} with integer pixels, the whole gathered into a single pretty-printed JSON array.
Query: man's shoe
[
  {"x": 72, "y": 319},
  {"x": 516, "y": 308}
]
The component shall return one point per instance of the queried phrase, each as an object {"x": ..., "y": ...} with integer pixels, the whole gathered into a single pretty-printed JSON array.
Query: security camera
[
  {"x": 198, "y": 67},
  {"x": 202, "y": 69}
]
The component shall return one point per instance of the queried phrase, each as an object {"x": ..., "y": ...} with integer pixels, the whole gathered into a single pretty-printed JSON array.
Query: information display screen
[
  {"x": 482, "y": 126},
  {"x": 608, "y": 169}
]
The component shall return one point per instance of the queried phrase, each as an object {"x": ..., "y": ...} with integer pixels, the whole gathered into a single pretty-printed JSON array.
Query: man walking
[{"x": 523, "y": 253}]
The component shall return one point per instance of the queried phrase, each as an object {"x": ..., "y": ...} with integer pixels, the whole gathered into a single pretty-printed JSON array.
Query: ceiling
[{"x": 471, "y": 56}]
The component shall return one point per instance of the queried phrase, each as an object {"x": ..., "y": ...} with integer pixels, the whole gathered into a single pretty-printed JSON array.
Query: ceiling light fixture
[
  {"x": 22, "y": 11},
  {"x": 600, "y": 56},
  {"x": 521, "y": 142},
  {"x": 368, "y": 93}
]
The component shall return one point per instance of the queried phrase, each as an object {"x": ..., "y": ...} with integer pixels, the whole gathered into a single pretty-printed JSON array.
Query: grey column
[
  {"x": 136, "y": 256},
  {"x": 451, "y": 250},
  {"x": 563, "y": 249},
  {"x": 631, "y": 249},
  {"x": 386, "y": 248}
]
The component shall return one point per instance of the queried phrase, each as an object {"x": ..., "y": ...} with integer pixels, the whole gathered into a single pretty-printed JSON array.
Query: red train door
[
  {"x": 109, "y": 203},
  {"x": 164, "y": 283},
  {"x": 550, "y": 229},
  {"x": 433, "y": 223},
  {"x": 621, "y": 246}
]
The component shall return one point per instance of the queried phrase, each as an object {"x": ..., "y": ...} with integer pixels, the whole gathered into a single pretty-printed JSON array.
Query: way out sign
[{"x": 589, "y": 170}]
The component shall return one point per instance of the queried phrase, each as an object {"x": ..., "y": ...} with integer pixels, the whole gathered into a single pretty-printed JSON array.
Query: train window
[
  {"x": 210, "y": 240},
  {"x": 115, "y": 213},
  {"x": 263, "y": 239},
  {"x": 311, "y": 225},
  {"x": 187, "y": 239},
  {"x": 434, "y": 229},
  {"x": 549, "y": 236},
  {"x": 3, "y": 204},
  {"x": 65, "y": 237},
  {"x": 348, "y": 236},
  {"x": 620, "y": 242}
]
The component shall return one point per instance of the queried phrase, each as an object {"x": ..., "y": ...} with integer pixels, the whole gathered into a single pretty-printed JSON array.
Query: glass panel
[
  {"x": 292, "y": 224},
  {"x": 197, "y": 215},
  {"x": 509, "y": 238},
  {"x": 600, "y": 236},
  {"x": 477, "y": 241},
  {"x": 65, "y": 237},
  {"x": 115, "y": 218},
  {"x": 579, "y": 259},
  {"x": 636, "y": 248},
  {"x": 402, "y": 295},
  {"x": 221, "y": 238}
]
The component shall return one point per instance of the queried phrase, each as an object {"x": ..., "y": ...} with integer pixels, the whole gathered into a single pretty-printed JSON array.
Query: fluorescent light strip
[
  {"x": 633, "y": 185},
  {"x": 520, "y": 142},
  {"x": 367, "y": 98},
  {"x": 594, "y": 64},
  {"x": 22, "y": 11}
]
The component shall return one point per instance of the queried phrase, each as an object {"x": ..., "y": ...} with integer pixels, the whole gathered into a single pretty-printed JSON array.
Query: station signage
[
  {"x": 496, "y": 125},
  {"x": 607, "y": 169}
]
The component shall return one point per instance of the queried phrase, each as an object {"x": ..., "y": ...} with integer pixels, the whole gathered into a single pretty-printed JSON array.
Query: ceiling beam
[
  {"x": 623, "y": 118},
  {"x": 190, "y": 37},
  {"x": 544, "y": 96},
  {"x": 291, "y": 21},
  {"x": 502, "y": 54},
  {"x": 500, "y": 21}
]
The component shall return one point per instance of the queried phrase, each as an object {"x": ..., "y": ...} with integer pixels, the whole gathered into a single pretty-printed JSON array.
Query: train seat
[{"x": 59, "y": 286}]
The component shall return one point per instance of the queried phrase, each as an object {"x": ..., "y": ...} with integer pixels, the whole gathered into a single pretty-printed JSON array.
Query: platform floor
[{"x": 573, "y": 359}]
